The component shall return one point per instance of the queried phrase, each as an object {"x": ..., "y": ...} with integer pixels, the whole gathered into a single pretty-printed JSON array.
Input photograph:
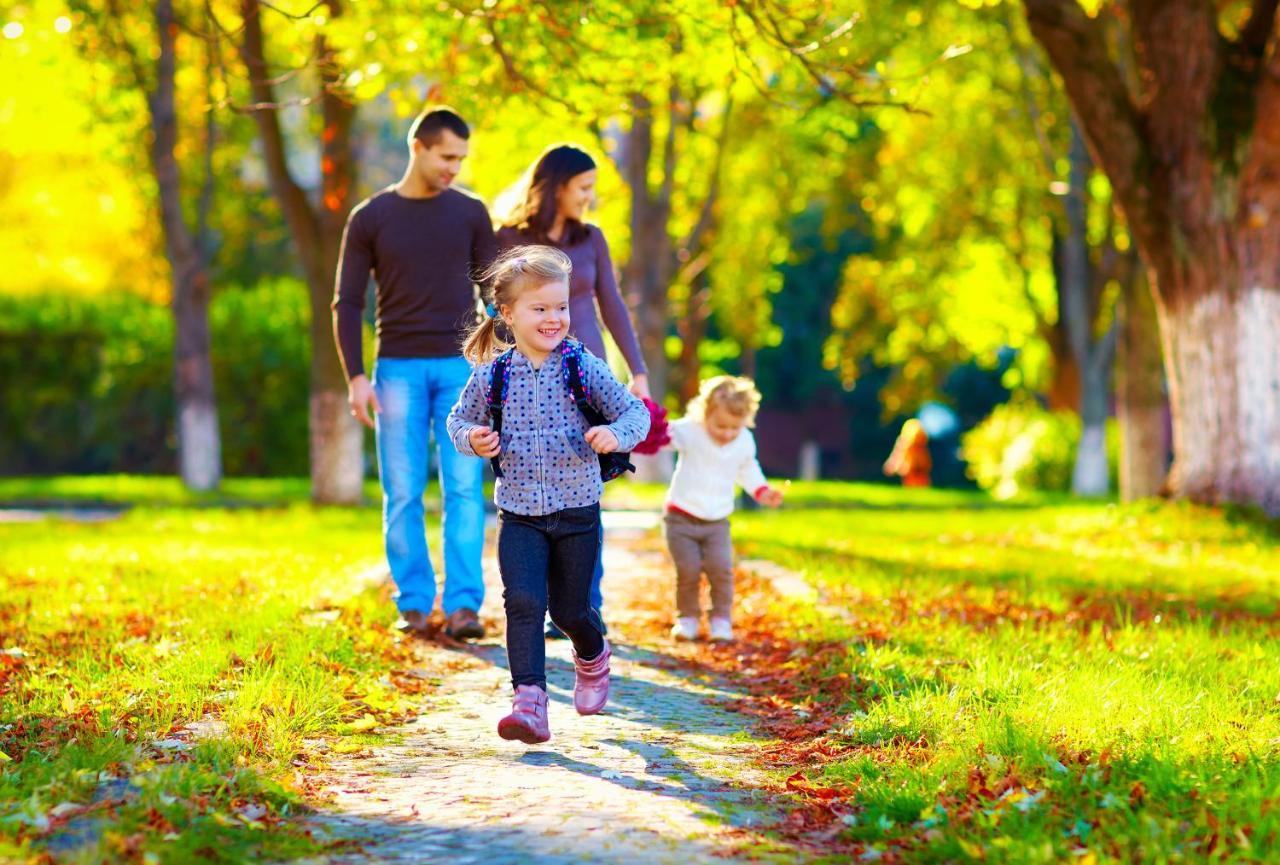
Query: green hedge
[{"x": 86, "y": 384}]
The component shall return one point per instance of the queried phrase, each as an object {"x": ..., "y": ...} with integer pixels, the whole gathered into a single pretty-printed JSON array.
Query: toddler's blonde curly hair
[{"x": 734, "y": 394}]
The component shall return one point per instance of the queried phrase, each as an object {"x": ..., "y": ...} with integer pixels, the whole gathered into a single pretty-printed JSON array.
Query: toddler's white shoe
[
  {"x": 685, "y": 629},
  {"x": 721, "y": 630}
]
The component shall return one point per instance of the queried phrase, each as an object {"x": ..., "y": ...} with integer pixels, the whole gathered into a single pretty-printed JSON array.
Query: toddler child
[{"x": 716, "y": 452}]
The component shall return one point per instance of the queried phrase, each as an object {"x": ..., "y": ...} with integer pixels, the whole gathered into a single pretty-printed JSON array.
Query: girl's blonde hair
[
  {"x": 518, "y": 268},
  {"x": 731, "y": 393}
]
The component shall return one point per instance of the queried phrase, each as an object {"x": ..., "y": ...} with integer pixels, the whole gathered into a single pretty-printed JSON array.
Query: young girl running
[{"x": 546, "y": 456}]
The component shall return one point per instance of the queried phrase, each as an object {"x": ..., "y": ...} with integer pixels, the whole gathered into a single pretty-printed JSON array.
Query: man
[{"x": 423, "y": 242}]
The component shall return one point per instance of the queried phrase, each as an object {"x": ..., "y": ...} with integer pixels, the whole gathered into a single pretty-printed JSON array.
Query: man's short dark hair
[{"x": 430, "y": 123}]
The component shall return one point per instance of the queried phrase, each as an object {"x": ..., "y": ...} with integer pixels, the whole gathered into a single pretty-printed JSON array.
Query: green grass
[
  {"x": 116, "y": 635},
  {"x": 236, "y": 605},
  {"x": 1044, "y": 681},
  {"x": 160, "y": 491},
  {"x": 156, "y": 491}
]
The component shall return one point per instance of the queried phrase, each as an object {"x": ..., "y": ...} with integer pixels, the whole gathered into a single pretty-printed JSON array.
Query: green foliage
[
  {"x": 1022, "y": 446},
  {"x": 261, "y": 373},
  {"x": 85, "y": 383},
  {"x": 957, "y": 197}
]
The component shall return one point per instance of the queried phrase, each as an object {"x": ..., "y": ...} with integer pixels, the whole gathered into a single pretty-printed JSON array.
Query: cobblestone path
[{"x": 657, "y": 778}]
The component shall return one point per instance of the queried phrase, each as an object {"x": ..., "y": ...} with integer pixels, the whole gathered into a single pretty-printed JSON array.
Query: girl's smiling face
[{"x": 539, "y": 319}]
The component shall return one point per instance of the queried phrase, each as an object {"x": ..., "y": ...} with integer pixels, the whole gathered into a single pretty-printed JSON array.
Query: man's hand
[
  {"x": 770, "y": 497},
  {"x": 602, "y": 440},
  {"x": 640, "y": 386},
  {"x": 484, "y": 441},
  {"x": 361, "y": 396}
]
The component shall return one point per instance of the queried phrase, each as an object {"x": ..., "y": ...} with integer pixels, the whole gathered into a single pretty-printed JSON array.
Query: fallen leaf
[{"x": 364, "y": 723}]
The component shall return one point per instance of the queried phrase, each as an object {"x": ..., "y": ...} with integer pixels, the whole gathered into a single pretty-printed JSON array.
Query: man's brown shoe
[
  {"x": 464, "y": 624},
  {"x": 415, "y": 622}
]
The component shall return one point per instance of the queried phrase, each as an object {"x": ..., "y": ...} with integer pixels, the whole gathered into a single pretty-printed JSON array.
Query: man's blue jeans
[{"x": 415, "y": 395}]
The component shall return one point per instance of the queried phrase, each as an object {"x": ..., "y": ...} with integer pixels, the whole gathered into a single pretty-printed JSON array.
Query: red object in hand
[{"x": 658, "y": 436}]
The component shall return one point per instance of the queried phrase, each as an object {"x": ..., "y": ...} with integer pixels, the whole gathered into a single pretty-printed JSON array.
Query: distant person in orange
[{"x": 910, "y": 458}]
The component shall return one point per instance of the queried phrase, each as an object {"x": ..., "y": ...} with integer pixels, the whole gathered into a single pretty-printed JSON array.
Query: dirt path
[{"x": 660, "y": 777}]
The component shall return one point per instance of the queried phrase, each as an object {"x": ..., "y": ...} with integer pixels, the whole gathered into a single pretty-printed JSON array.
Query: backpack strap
[
  {"x": 572, "y": 352},
  {"x": 611, "y": 464},
  {"x": 499, "y": 375}
]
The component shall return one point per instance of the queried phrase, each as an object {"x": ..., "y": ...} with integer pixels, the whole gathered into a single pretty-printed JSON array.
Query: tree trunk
[
  {"x": 1141, "y": 406},
  {"x": 199, "y": 441},
  {"x": 1078, "y": 313},
  {"x": 692, "y": 328},
  {"x": 1192, "y": 162},
  {"x": 648, "y": 269},
  {"x": 1222, "y": 356},
  {"x": 336, "y": 438},
  {"x": 1064, "y": 387},
  {"x": 1091, "y": 475}
]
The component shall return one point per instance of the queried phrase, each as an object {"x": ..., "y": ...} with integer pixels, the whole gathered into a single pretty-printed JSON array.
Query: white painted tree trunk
[
  {"x": 1222, "y": 357},
  {"x": 1090, "y": 477},
  {"x": 337, "y": 450},
  {"x": 810, "y": 461},
  {"x": 199, "y": 445}
]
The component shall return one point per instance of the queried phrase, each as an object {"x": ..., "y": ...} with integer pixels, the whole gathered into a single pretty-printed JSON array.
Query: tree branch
[
  {"x": 292, "y": 198},
  {"x": 204, "y": 206},
  {"x": 667, "y": 186},
  {"x": 514, "y": 73},
  {"x": 693, "y": 241},
  {"x": 301, "y": 16}
]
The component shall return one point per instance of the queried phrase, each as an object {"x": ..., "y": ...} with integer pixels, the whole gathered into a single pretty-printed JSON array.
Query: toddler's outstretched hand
[
  {"x": 770, "y": 497},
  {"x": 602, "y": 440},
  {"x": 484, "y": 441}
]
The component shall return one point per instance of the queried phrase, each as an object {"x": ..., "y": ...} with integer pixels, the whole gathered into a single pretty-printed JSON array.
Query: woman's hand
[
  {"x": 484, "y": 441},
  {"x": 640, "y": 386},
  {"x": 602, "y": 440}
]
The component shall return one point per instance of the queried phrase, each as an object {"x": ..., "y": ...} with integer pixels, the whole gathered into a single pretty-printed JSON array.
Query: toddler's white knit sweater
[{"x": 706, "y": 473}]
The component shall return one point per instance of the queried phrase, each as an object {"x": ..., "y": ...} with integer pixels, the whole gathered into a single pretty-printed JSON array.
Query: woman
[{"x": 550, "y": 210}]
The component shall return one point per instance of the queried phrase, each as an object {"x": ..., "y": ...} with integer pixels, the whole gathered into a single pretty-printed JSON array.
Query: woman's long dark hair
[{"x": 535, "y": 213}]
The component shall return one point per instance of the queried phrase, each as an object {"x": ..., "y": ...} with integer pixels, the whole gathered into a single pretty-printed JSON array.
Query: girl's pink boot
[
  {"x": 591, "y": 687},
  {"x": 528, "y": 719}
]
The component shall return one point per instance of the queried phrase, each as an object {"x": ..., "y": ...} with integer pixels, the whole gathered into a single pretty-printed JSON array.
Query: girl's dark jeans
[{"x": 547, "y": 563}]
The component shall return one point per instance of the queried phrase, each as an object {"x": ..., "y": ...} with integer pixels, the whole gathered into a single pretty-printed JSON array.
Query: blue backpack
[{"x": 612, "y": 465}]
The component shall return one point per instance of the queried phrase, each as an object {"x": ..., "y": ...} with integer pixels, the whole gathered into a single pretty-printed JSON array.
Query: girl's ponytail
[{"x": 483, "y": 342}]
